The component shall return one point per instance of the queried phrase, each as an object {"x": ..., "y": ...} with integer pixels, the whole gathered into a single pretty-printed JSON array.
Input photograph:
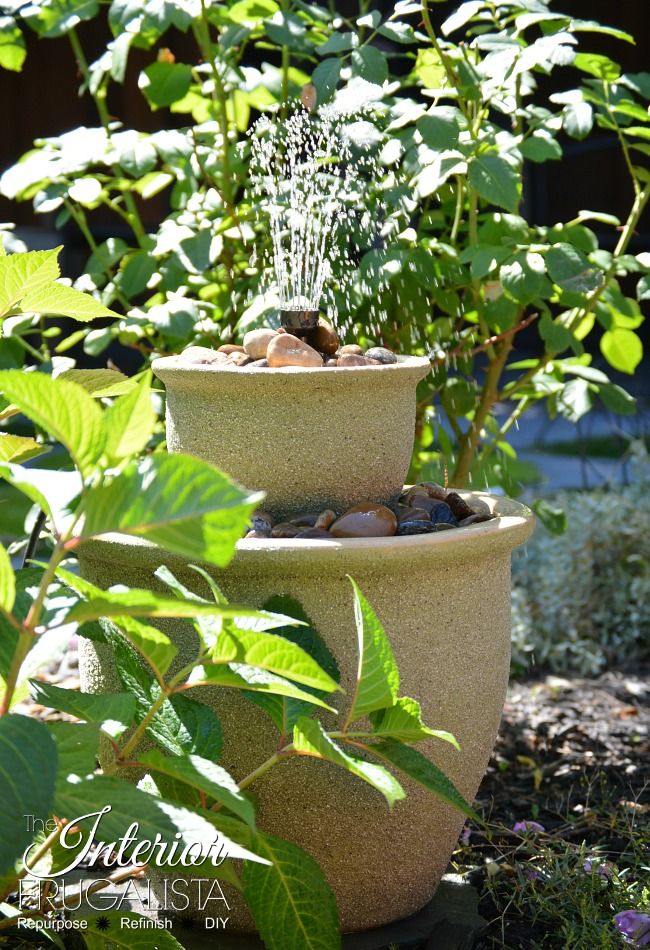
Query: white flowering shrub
[{"x": 581, "y": 601}]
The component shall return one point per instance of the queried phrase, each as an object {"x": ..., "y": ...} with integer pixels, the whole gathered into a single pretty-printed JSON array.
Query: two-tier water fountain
[{"x": 332, "y": 436}]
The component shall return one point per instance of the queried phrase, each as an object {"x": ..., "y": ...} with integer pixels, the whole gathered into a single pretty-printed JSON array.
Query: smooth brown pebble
[
  {"x": 458, "y": 505},
  {"x": 381, "y": 354},
  {"x": 306, "y": 520},
  {"x": 350, "y": 348},
  {"x": 262, "y": 520},
  {"x": 324, "y": 339},
  {"x": 203, "y": 354},
  {"x": 325, "y": 519},
  {"x": 229, "y": 348},
  {"x": 433, "y": 490},
  {"x": 413, "y": 514},
  {"x": 366, "y": 520},
  {"x": 240, "y": 358},
  {"x": 444, "y": 526},
  {"x": 287, "y": 350},
  {"x": 417, "y": 498},
  {"x": 256, "y": 342},
  {"x": 353, "y": 359},
  {"x": 331, "y": 362},
  {"x": 474, "y": 519},
  {"x": 257, "y": 364},
  {"x": 315, "y": 534},
  {"x": 285, "y": 530}
]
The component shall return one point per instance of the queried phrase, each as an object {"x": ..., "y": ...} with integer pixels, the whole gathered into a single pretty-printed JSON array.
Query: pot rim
[
  {"x": 513, "y": 525},
  {"x": 170, "y": 366}
]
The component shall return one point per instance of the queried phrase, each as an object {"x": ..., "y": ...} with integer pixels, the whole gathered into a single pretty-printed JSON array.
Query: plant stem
[{"x": 29, "y": 625}]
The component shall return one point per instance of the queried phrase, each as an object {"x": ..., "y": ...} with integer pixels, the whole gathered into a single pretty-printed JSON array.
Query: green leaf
[
  {"x": 602, "y": 67},
  {"x": 398, "y": 32},
  {"x": 267, "y": 651},
  {"x": 12, "y": 44},
  {"x": 556, "y": 337},
  {"x": 283, "y": 711},
  {"x": 336, "y": 43},
  {"x": 131, "y": 938},
  {"x": 62, "y": 408},
  {"x": 132, "y": 602},
  {"x": 7, "y": 582},
  {"x": 569, "y": 269},
  {"x": 204, "y": 775},
  {"x": 523, "y": 277},
  {"x": 578, "y": 119},
  {"x": 156, "y": 648},
  {"x": 239, "y": 676},
  {"x": 28, "y": 763},
  {"x": 18, "y": 448},
  {"x": 642, "y": 293},
  {"x": 616, "y": 399},
  {"x": 370, "y": 63},
  {"x": 377, "y": 676},
  {"x": 541, "y": 147},
  {"x": 622, "y": 349},
  {"x": 109, "y": 709},
  {"x": 403, "y": 721},
  {"x": 21, "y": 274},
  {"x": 310, "y": 738},
  {"x": 179, "y": 502},
  {"x": 100, "y": 383},
  {"x": 418, "y": 767},
  {"x": 463, "y": 15},
  {"x": 291, "y": 902},
  {"x": 51, "y": 491},
  {"x": 65, "y": 302},
  {"x": 429, "y": 69},
  {"x": 155, "y": 816},
  {"x": 252, "y": 12},
  {"x": 575, "y": 400},
  {"x": 553, "y": 518},
  {"x": 76, "y": 746},
  {"x": 165, "y": 83},
  {"x": 495, "y": 180},
  {"x": 129, "y": 423},
  {"x": 325, "y": 78},
  {"x": 440, "y": 127}
]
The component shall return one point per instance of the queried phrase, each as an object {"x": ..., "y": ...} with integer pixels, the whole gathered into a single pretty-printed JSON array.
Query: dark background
[{"x": 43, "y": 100}]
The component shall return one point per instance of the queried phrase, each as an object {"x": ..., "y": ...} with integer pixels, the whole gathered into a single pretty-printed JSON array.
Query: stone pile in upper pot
[
  {"x": 276, "y": 348},
  {"x": 422, "y": 509}
]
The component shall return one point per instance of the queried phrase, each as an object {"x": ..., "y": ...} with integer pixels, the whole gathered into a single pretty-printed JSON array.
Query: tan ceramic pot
[
  {"x": 312, "y": 439},
  {"x": 444, "y": 600}
]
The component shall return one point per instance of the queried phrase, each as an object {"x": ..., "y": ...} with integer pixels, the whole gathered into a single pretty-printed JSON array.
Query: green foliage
[
  {"x": 452, "y": 269},
  {"x": 151, "y": 728}
]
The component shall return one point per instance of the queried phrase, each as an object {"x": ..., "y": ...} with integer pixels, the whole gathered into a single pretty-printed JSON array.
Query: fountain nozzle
[{"x": 300, "y": 322}]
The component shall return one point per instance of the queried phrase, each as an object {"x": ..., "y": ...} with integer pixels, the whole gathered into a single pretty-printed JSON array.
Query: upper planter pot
[{"x": 312, "y": 439}]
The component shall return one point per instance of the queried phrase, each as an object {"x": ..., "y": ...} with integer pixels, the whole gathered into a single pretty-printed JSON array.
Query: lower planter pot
[{"x": 444, "y": 601}]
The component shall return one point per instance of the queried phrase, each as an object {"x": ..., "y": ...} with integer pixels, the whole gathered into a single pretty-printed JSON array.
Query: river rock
[
  {"x": 417, "y": 526},
  {"x": 332, "y": 361},
  {"x": 229, "y": 348},
  {"x": 366, "y": 520},
  {"x": 458, "y": 505},
  {"x": 413, "y": 514},
  {"x": 353, "y": 359},
  {"x": 260, "y": 535},
  {"x": 324, "y": 339},
  {"x": 350, "y": 348},
  {"x": 441, "y": 513},
  {"x": 287, "y": 350},
  {"x": 262, "y": 521},
  {"x": 433, "y": 490},
  {"x": 325, "y": 519},
  {"x": 381, "y": 354},
  {"x": 240, "y": 358},
  {"x": 257, "y": 364},
  {"x": 315, "y": 534},
  {"x": 256, "y": 342},
  {"x": 475, "y": 518},
  {"x": 285, "y": 530},
  {"x": 306, "y": 520},
  {"x": 203, "y": 354},
  {"x": 444, "y": 526}
]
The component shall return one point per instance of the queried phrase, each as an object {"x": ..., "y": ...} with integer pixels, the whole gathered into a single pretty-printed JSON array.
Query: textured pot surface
[
  {"x": 444, "y": 600},
  {"x": 312, "y": 439}
]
